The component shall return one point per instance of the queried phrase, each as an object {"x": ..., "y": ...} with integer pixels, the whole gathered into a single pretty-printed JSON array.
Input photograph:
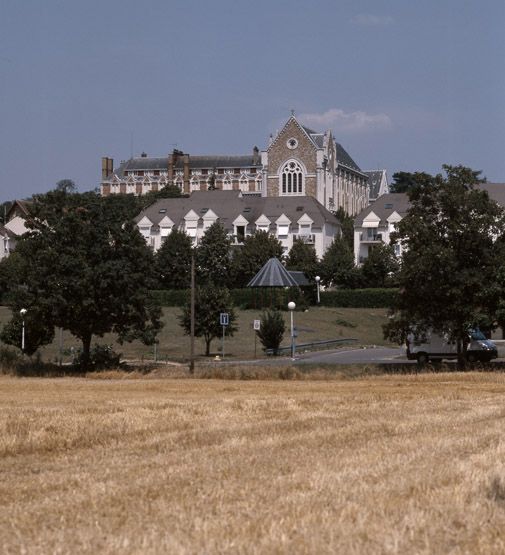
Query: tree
[
  {"x": 380, "y": 267},
  {"x": 405, "y": 182},
  {"x": 249, "y": 258},
  {"x": 347, "y": 225},
  {"x": 173, "y": 261},
  {"x": 337, "y": 264},
  {"x": 66, "y": 186},
  {"x": 86, "y": 269},
  {"x": 302, "y": 257},
  {"x": 210, "y": 302},
  {"x": 213, "y": 260},
  {"x": 272, "y": 329},
  {"x": 448, "y": 273}
]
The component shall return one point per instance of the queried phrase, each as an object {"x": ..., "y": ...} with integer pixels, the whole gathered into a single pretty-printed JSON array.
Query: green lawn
[{"x": 364, "y": 324}]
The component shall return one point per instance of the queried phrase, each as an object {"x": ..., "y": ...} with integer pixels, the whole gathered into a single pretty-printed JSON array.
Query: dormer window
[{"x": 282, "y": 230}]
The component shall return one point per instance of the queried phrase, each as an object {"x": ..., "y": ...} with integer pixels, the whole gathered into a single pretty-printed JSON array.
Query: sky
[{"x": 405, "y": 86}]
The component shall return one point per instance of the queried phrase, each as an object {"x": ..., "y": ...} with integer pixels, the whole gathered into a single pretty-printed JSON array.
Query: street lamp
[
  {"x": 292, "y": 306},
  {"x": 23, "y": 311},
  {"x": 318, "y": 279}
]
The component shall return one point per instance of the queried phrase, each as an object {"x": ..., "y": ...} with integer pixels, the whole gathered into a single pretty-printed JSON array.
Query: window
[
  {"x": 292, "y": 179},
  {"x": 145, "y": 231},
  {"x": 227, "y": 184},
  {"x": 282, "y": 230},
  {"x": 305, "y": 229},
  {"x": 191, "y": 231},
  {"x": 194, "y": 184},
  {"x": 165, "y": 231}
]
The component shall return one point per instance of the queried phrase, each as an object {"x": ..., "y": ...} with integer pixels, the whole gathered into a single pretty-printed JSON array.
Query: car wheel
[
  {"x": 471, "y": 357},
  {"x": 422, "y": 358}
]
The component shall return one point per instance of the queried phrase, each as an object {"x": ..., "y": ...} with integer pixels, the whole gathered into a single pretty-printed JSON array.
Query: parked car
[{"x": 433, "y": 346}]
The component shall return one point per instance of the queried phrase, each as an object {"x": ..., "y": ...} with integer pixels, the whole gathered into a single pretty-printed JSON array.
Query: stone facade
[{"x": 297, "y": 162}]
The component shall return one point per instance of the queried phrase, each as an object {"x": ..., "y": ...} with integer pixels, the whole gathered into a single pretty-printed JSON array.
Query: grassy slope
[
  {"x": 315, "y": 324},
  {"x": 410, "y": 464}
]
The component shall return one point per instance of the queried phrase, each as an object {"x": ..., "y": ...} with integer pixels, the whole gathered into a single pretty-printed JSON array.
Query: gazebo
[{"x": 273, "y": 276}]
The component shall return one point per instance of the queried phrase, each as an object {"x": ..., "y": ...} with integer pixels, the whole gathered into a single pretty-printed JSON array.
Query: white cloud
[
  {"x": 370, "y": 20},
  {"x": 339, "y": 120}
]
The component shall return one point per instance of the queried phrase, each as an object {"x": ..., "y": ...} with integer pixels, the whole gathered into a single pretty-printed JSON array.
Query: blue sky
[{"x": 404, "y": 85}]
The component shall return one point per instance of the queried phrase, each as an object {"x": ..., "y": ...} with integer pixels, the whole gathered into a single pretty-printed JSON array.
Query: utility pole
[{"x": 192, "y": 302}]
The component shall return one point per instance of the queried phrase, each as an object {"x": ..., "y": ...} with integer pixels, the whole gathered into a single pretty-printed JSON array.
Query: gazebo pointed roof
[{"x": 273, "y": 274}]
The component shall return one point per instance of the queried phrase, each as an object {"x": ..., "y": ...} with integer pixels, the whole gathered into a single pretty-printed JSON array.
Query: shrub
[
  {"x": 101, "y": 357},
  {"x": 8, "y": 358},
  {"x": 272, "y": 329},
  {"x": 359, "y": 298}
]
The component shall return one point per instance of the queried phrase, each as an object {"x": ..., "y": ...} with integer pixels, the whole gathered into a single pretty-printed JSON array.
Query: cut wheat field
[{"x": 390, "y": 464}]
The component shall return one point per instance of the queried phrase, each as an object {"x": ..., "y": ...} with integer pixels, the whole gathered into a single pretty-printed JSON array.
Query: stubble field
[{"x": 392, "y": 464}]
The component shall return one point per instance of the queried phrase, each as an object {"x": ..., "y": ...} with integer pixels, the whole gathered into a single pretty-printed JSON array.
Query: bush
[
  {"x": 246, "y": 298},
  {"x": 101, "y": 357},
  {"x": 8, "y": 358},
  {"x": 359, "y": 298},
  {"x": 272, "y": 329}
]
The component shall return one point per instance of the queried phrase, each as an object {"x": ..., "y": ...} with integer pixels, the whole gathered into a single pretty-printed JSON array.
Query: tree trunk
[
  {"x": 207, "y": 346},
  {"x": 86, "y": 348},
  {"x": 461, "y": 354}
]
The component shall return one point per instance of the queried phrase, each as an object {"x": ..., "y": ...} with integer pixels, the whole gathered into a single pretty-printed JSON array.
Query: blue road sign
[{"x": 224, "y": 318}]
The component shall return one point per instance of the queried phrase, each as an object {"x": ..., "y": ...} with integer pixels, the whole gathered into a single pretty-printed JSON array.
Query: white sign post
[
  {"x": 256, "y": 327},
  {"x": 224, "y": 319}
]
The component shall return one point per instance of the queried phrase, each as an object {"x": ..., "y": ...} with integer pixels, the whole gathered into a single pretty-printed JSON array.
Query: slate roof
[
  {"x": 344, "y": 158},
  {"x": 496, "y": 191},
  {"x": 273, "y": 274},
  {"x": 374, "y": 182},
  {"x": 195, "y": 162},
  {"x": 384, "y": 206},
  {"x": 228, "y": 205}
]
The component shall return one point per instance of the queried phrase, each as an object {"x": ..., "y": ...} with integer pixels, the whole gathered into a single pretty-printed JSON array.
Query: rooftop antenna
[{"x": 292, "y": 111}]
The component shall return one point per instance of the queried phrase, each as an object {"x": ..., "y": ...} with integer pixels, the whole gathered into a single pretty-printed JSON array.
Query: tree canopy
[
  {"x": 84, "y": 267},
  {"x": 210, "y": 302},
  {"x": 173, "y": 261},
  {"x": 337, "y": 265},
  {"x": 405, "y": 182},
  {"x": 448, "y": 273},
  {"x": 250, "y": 257},
  {"x": 213, "y": 257},
  {"x": 302, "y": 257}
]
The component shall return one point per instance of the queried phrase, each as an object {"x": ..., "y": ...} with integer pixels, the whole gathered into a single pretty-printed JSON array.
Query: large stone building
[{"x": 298, "y": 162}]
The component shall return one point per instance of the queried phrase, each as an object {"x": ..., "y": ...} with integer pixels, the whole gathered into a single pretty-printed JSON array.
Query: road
[{"x": 376, "y": 355}]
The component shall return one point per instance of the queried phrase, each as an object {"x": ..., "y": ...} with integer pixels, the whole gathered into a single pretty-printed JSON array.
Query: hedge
[
  {"x": 359, "y": 298},
  {"x": 279, "y": 297}
]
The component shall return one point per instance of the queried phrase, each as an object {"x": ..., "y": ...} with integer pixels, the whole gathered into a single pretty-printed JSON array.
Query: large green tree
[
  {"x": 347, "y": 225},
  {"x": 381, "y": 266},
  {"x": 213, "y": 257},
  {"x": 337, "y": 265},
  {"x": 173, "y": 261},
  {"x": 448, "y": 272},
  {"x": 302, "y": 257},
  {"x": 249, "y": 258},
  {"x": 405, "y": 182},
  {"x": 210, "y": 302},
  {"x": 86, "y": 268}
]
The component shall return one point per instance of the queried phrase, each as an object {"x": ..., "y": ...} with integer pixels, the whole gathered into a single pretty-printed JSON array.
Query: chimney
[
  {"x": 143, "y": 155},
  {"x": 172, "y": 162},
  {"x": 107, "y": 167},
  {"x": 256, "y": 156},
  {"x": 185, "y": 161}
]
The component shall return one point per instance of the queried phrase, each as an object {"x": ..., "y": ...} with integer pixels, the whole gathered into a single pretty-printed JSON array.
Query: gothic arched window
[{"x": 292, "y": 179}]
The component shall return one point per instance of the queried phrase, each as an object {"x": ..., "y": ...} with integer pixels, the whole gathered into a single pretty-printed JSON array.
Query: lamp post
[
  {"x": 318, "y": 279},
  {"x": 23, "y": 311},
  {"x": 292, "y": 306}
]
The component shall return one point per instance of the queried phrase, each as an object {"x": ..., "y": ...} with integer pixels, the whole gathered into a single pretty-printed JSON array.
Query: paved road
[{"x": 376, "y": 355}]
